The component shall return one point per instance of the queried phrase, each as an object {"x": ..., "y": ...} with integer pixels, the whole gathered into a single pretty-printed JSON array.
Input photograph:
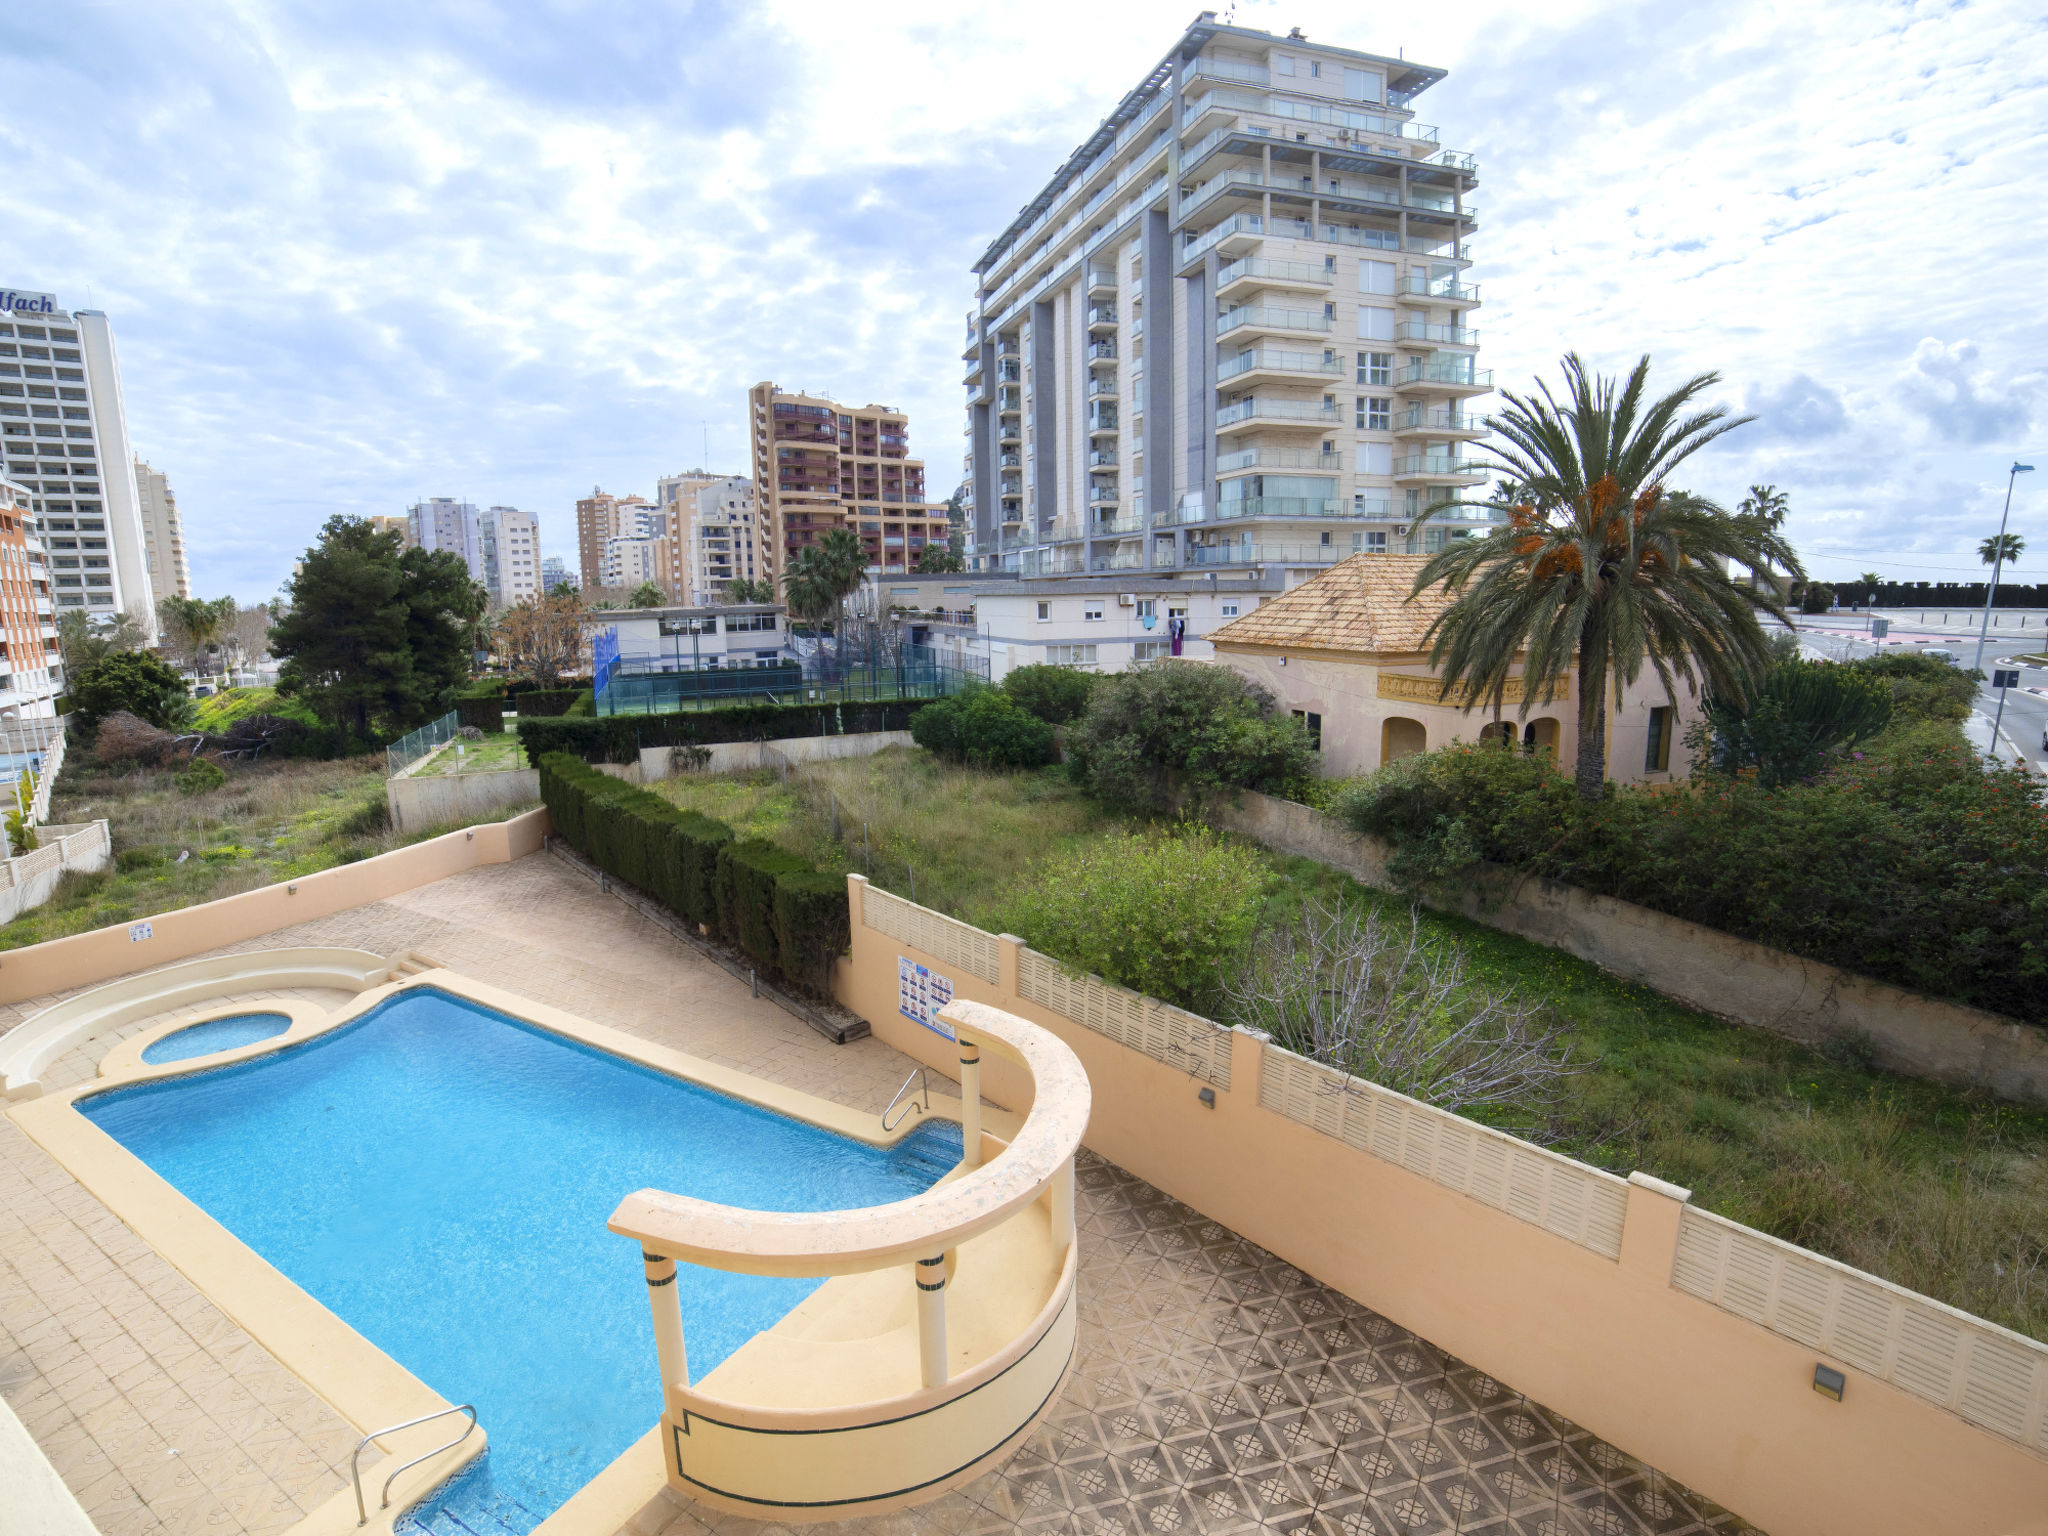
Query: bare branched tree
[{"x": 1381, "y": 1001}]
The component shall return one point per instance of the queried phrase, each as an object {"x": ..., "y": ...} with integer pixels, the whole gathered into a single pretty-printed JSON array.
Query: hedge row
[
  {"x": 619, "y": 738},
  {"x": 486, "y": 714},
  {"x": 545, "y": 701},
  {"x": 788, "y": 918}
]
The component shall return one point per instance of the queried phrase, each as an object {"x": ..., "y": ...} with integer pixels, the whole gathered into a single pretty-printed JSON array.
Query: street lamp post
[{"x": 1998, "y": 559}]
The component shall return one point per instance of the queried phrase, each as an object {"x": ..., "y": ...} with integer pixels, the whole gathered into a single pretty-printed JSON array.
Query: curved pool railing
[{"x": 884, "y": 1410}]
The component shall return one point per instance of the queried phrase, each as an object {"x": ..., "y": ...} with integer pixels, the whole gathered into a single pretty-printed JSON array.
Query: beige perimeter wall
[
  {"x": 1688, "y": 1340},
  {"x": 58, "y": 965},
  {"x": 1704, "y": 968}
]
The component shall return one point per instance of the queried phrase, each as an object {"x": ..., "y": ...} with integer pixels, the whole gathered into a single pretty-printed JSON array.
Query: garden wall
[
  {"x": 449, "y": 799},
  {"x": 1729, "y": 977},
  {"x": 1686, "y": 1339},
  {"x": 86, "y": 959},
  {"x": 29, "y": 880},
  {"x": 739, "y": 756}
]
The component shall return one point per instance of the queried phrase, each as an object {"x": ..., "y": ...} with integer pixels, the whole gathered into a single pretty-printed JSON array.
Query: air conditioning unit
[{"x": 1126, "y": 600}]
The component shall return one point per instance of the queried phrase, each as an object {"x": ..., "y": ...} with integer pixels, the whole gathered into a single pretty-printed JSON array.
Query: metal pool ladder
[
  {"x": 354, "y": 1471},
  {"x": 924, "y": 1091}
]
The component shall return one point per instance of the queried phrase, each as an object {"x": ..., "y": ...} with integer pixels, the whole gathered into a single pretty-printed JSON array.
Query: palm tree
[
  {"x": 810, "y": 585},
  {"x": 2002, "y": 549},
  {"x": 1599, "y": 564},
  {"x": 1871, "y": 579},
  {"x": 1764, "y": 510}
]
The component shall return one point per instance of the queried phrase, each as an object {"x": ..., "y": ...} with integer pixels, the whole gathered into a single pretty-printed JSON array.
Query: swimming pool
[{"x": 439, "y": 1176}]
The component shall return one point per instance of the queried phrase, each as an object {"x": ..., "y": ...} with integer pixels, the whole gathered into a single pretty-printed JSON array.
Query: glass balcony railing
[
  {"x": 1293, "y": 274},
  {"x": 1440, "y": 419},
  {"x": 1453, "y": 372},
  {"x": 1419, "y": 332},
  {"x": 1277, "y": 506},
  {"x": 1417, "y": 286},
  {"x": 1267, "y": 360},
  {"x": 1265, "y": 554},
  {"x": 1302, "y": 411},
  {"x": 1279, "y": 458},
  {"x": 1433, "y": 464},
  {"x": 1265, "y": 319}
]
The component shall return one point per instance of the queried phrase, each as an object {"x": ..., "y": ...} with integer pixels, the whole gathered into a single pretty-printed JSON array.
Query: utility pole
[{"x": 1998, "y": 559}]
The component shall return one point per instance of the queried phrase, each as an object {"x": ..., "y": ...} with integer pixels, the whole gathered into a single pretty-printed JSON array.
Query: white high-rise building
[
  {"x": 724, "y": 540},
  {"x": 65, "y": 431},
  {"x": 509, "y": 541},
  {"x": 555, "y": 572},
  {"x": 443, "y": 523},
  {"x": 1231, "y": 332},
  {"x": 163, "y": 534}
]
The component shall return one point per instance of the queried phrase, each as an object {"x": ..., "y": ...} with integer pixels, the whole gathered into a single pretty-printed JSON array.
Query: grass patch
[
  {"x": 269, "y": 822},
  {"x": 494, "y": 754},
  {"x": 1933, "y": 1189},
  {"x": 221, "y": 710}
]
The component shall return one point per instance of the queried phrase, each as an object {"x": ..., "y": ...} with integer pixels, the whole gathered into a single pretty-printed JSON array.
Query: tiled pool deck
[{"x": 1216, "y": 1388}]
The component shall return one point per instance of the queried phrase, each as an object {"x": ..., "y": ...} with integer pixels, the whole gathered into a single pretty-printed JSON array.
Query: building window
[
  {"x": 1375, "y": 413},
  {"x": 1657, "y": 756},
  {"x": 1313, "y": 722},
  {"x": 1044, "y": 612},
  {"x": 1092, "y": 611},
  {"x": 1151, "y": 650},
  {"x": 1070, "y": 655},
  {"x": 1375, "y": 367},
  {"x": 1148, "y": 608},
  {"x": 1230, "y": 610},
  {"x": 1372, "y": 542}
]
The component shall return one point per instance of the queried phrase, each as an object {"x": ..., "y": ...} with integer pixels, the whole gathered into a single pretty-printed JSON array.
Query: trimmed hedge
[
  {"x": 546, "y": 701},
  {"x": 788, "y": 918},
  {"x": 486, "y": 714},
  {"x": 619, "y": 738}
]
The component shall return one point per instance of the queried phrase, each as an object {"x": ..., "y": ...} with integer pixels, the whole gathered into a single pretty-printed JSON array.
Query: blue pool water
[
  {"x": 214, "y": 1035},
  {"x": 439, "y": 1175}
]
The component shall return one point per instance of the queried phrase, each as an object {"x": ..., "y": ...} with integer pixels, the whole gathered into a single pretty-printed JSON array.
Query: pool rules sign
[{"x": 920, "y": 993}]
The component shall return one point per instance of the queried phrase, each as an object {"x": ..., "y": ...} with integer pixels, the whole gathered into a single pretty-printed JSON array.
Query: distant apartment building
[
  {"x": 31, "y": 673},
  {"x": 555, "y": 572},
  {"x": 820, "y": 465},
  {"x": 509, "y": 549},
  {"x": 725, "y": 540},
  {"x": 1233, "y": 330},
  {"x": 601, "y": 518},
  {"x": 444, "y": 524},
  {"x": 163, "y": 535},
  {"x": 402, "y": 526},
  {"x": 64, "y": 428}
]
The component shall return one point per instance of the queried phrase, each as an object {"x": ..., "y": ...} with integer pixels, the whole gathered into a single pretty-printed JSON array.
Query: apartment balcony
[
  {"x": 1009, "y": 432},
  {"x": 1236, "y": 235},
  {"x": 1249, "y": 274},
  {"x": 1438, "y": 421},
  {"x": 1102, "y": 418},
  {"x": 1009, "y": 401},
  {"x": 1446, "y": 375},
  {"x": 1122, "y": 560},
  {"x": 1102, "y": 458},
  {"x": 1101, "y": 317},
  {"x": 1281, "y": 321},
  {"x": 1009, "y": 372},
  {"x": 1006, "y": 350},
  {"x": 1010, "y": 461},
  {"x": 1265, "y": 554},
  {"x": 1119, "y": 527},
  {"x": 1102, "y": 353},
  {"x": 1102, "y": 495},
  {"x": 1270, "y": 365},
  {"x": 1444, "y": 290},
  {"x": 1287, "y": 507},
  {"x": 977, "y": 392},
  {"x": 1284, "y": 415},
  {"x": 1438, "y": 466},
  {"x": 1101, "y": 389},
  {"x": 974, "y": 367},
  {"x": 1137, "y": 327},
  {"x": 1011, "y": 488},
  {"x": 1264, "y": 457},
  {"x": 1101, "y": 284},
  {"x": 1417, "y": 333}
]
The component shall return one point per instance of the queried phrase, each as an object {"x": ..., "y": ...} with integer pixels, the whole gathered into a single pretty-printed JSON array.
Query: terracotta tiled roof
[{"x": 1359, "y": 606}]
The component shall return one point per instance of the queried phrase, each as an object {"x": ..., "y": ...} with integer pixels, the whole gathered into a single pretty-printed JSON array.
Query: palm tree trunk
[{"x": 1591, "y": 774}]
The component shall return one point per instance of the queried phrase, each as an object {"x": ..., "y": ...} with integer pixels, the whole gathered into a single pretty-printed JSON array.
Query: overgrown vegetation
[
  {"x": 178, "y": 842},
  {"x": 985, "y": 727},
  {"x": 1907, "y": 858},
  {"x": 1925, "y": 1186},
  {"x": 1172, "y": 733}
]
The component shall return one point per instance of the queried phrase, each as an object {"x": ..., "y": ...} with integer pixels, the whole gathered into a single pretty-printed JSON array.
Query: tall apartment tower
[
  {"x": 1232, "y": 330},
  {"x": 509, "y": 546},
  {"x": 443, "y": 523},
  {"x": 723, "y": 541},
  {"x": 163, "y": 535},
  {"x": 820, "y": 465},
  {"x": 65, "y": 428},
  {"x": 31, "y": 672},
  {"x": 601, "y": 518}
]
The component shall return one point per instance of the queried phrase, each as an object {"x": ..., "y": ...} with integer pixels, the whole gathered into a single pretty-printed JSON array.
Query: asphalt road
[{"x": 2023, "y": 729}]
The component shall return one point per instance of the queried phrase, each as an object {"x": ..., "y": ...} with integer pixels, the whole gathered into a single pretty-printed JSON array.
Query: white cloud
[{"x": 361, "y": 252}]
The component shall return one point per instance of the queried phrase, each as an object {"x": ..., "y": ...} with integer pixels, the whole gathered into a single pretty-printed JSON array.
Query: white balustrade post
[
  {"x": 970, "y": 1103},
  {"x": 668, "y": 1328},
  {"x": 931, "y": 1318},
  {"x": 1063, "y": 1204}
]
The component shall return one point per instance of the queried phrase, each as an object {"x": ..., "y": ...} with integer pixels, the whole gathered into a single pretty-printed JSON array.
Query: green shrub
[
  {"x": 1819, "y": 597},
  {"x": 203, "y": 775},
  {"x": 583, "y": 706},
  {"x": 1911, "y": 860},
  {"x": 486, "y": 713},
  {"x": 134, "y": 681},
  {"x": 1798, "y": 717},
  {"x": 540, "y": 702},
  {"x": 1923, "y": 687},
  {"x": 692, "y": 865},
  {"x": 1168, "y": 913},
  {"x": 985, "y": 728},
  {"x": 1054, "y": 694},
  {"x": 1158, "y": 735}
]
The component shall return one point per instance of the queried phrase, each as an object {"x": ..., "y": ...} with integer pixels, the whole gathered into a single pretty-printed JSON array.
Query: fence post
[
  {"x": 1009, "y": 969},
  {"x": 1649, "y": 1229}
]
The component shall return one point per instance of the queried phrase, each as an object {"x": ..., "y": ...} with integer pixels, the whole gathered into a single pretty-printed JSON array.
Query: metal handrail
[
  {"x": 924, "y": 1087},
  {"x": 355, "y": 1472}
]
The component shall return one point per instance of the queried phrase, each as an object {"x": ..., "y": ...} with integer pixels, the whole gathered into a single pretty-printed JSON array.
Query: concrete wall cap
[{"x": 1658, "y": 1186}]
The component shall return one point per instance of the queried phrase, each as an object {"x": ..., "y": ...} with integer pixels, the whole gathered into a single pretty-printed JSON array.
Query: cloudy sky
[{"x": 357, "y": 252}]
